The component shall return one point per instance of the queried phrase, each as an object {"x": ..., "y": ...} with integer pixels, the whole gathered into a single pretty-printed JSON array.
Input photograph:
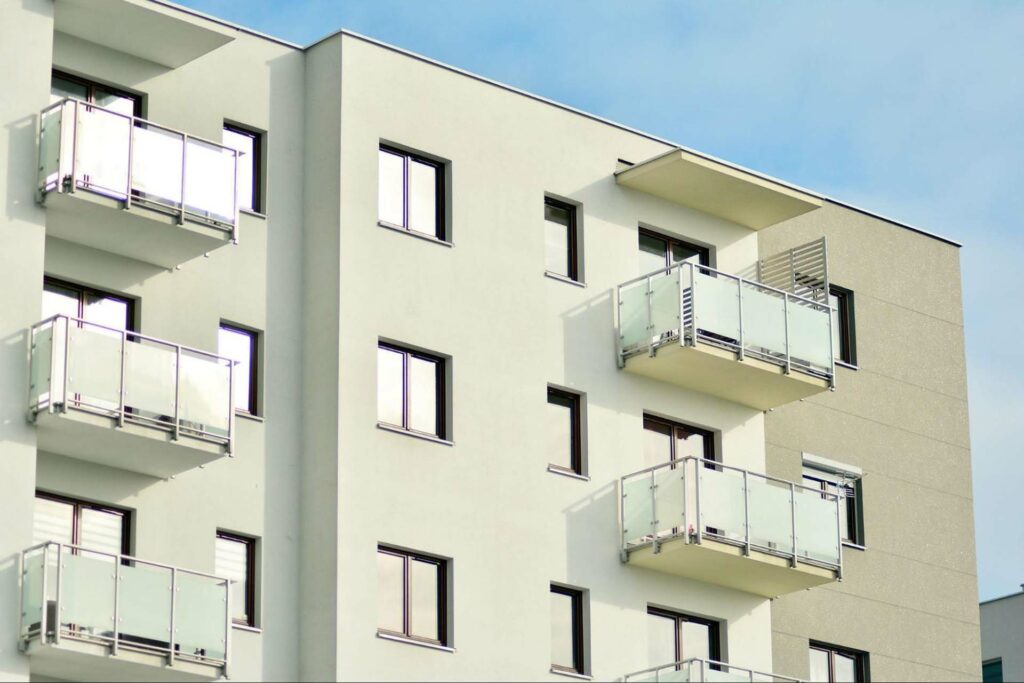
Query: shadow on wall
[{"x": 22, "y": 165}]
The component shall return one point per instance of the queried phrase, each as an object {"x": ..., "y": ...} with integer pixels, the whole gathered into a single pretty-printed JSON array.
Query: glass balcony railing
[
  {"x": 72, "y": 593},
  {"x": 703, "y": 670},
  {"x": 85, "y": 147},
  {"x": 128, "y": 377},
  {"x": 689, "y": 303},
  {"x": 696, "y": 499}
]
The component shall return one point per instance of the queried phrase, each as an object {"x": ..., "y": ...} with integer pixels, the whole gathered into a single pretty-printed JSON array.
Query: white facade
[
  {"x": 1002, "y": 636},
  {"x": 313, "y": 477}
]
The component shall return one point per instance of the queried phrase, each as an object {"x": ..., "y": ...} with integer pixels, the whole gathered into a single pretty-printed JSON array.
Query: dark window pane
[
  {"x": 61, "y": 87},
  {"x": 992, "y": 671},
  {"x": 686, "y": 252},
  {"x": 653, "y": 253}
]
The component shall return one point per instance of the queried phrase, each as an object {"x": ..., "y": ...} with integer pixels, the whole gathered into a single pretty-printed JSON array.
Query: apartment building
[
  {"x": 1002, "y": 638},
  {"x": 334, "y": 362}
]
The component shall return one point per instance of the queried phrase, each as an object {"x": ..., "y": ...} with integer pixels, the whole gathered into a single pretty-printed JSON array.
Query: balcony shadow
[{"x": 22, "y": 170}]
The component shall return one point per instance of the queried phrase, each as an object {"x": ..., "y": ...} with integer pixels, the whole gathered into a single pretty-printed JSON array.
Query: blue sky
[{"x": 914, "y": 110}]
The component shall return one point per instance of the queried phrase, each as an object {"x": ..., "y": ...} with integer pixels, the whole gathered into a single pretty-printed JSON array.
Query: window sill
[
  {"x": 854, "y": 546},
  {"x": 406, "y": 432},
  {"x": 570, "y": 674},
  {"x": 848, "y": 366},
  {"x": 254, "y": 214},
  {"x": 566, "y": 473},
  {"x": 413, "y": 233},
  {"x": 566, "y": 280},
  {"x": 249, "y": 629},
  {"x": 412, "y": 641},
  {"x": 248, "y": 416}
]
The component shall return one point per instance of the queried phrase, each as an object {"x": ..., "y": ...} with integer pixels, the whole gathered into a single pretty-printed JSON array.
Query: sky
[{"x": 914, "y": 110}]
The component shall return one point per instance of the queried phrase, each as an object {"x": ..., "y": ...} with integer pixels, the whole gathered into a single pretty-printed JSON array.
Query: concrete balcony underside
[
  {"x": 725, "y": 564},
  {"x": 717, "y": 371},
  {"x": 141, "y": 233},
  {"x": 79, "y": 660},
  {"x": 134, "y": 447}
]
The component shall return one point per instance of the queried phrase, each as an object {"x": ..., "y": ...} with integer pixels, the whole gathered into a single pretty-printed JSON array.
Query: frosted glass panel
[
  {"x": 809, "y": 335},
  {"x": 102, "y": 161},
  {"x": 712, "y": 676},
  {"x": 49, "y": 147},
  {"x": 87, "y": 593},
  {"x": 42, "y": 350},
  {"x": 633, "y": 314},
  {"x": 205, "y": 392},
  {"x": 817, "y": 527},
  {"x": 721, "y": 502},
  {"x": 145, "y": 603},
  {"x": 156, "y": 165},
  {"x": 149, "y": 378},
  {"x": 32, "y": 590},
  {"x": 764, "y": 320},
  {"x": 716, "y": 305},
  {"x": 94, "y": 366},
  {"x": 637, "y": 508},
  {"x": 422, "y": 197},
  {"x": 771, "y": 516},
  {"x": 210, "y": 181},
  {"x": 390, "y": 188},
  {"x": 665, "y": 303},
  {"x": 200, "y": 616},
  {"x": 669, "y": 501}
]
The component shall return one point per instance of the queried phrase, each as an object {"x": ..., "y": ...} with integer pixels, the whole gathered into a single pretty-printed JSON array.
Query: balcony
[
  {"x": 702, "y": 670},
  {"x": 93, "y": 616},
  {"x": 126, "y": 400},
  {"x": 727, "y": 526},
  {"x": 728, "y": 336},
  {"x": 131, "y": 187}
]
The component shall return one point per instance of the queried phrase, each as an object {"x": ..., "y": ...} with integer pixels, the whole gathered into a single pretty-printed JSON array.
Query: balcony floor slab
[{"x": 75, "y": 660}]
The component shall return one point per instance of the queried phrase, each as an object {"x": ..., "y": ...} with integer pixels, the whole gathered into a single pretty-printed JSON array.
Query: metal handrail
[
  {"x": 721, "y": 466},
  {"x": 705, "y": 664},
  {"x": 47, "y": 631}
]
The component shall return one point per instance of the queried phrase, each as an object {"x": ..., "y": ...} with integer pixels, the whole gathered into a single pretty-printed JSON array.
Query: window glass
[
  {"x": 685, "y": 252},
  {"x": 422, "y": 197},
  {"x": 837, "y": 333},
  {"x": 696, "y": 640},
  {"x": 239, "y": 345},
  {"x": 81, "y": 302},
  {"x": 106, "y": 311},
  {"x": 101, "y": 530},
  {"x": 819, "y": 665},
  {"x": 690, "y": 444},
  {"x": 75, "y": 522},
  {"x": 992, "y": 671},
  {"x": 661, "y": 251},
  {"x": 232, "y": 562},
  {"x": 61, "y": 87},
  {"x": 657, "y": 444},
  {"x": 560, "y": 417},
  {"x": 59, "y": 300},
  {"x": 834, "y": 483},
  {"x": 558, "y": 238},
  {"x": 652, "y": 253},
  {"x": 562, "y": 627},
  {"x": 846, "y": 669},
  {"x": 113, "y": 101},
  {"x": 53, "y": 520},
  {"x": 390, "y": 389},
  {"x": 423, "y": 599},
  {"x": 244, "y": 142},
  {"x": 423, "y": 395},
  {"x": 390, "y": 592},
  {"x": 661, "y": 640},
  {"x": 391, "y": 188}
]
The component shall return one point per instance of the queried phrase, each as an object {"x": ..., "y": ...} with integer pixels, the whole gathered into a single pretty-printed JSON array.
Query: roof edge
[{"x": 1018, "y": 594}]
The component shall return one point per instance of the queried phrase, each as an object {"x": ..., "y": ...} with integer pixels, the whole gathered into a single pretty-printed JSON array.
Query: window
[
  {"x": 240, "y": 345},
  {"x": 90, "y": 525},
  {"x": 91, "y": 305},
  {"x": 992, "y": 671},
  {"x": 844, "y": 347},
  {"x": 665, "y": 441},
  {"x": 410, "y": 192},
  {"x": 835, "y": 664},
  {"x": 561, "y": 246},
  {"x": 661, "y": 251},
  {"x": 235, "y": 559},
  {"x": 567, "y": 639},
  {"x": 564, "y": 431},
  {"x": 837, "y": 481},
  {"x": 249, "y": 145},
  {"x": 676, "y": 637},
  {"x": 411, "y": 390},
  {"x": 65, "y": 85},
  {"x": 412, "y": 595}
]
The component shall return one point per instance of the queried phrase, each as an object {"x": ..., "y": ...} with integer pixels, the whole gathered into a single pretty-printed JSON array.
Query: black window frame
[
  {"x": 578, "y": 634},
  {"x": 92, "y": 85},
  {"x": 257, "y": 163},
  {"x": 862, "y": 670},
  {"x": 572, "y": 237},
  {"x": 440, "y": 389},
  {"x": 254, "y": 373},
  {"x": 853, "y": 497},
  {"x": 714, "y": 630},
  {"x": 80, "y": 504},
  {"x": 710, "y": 436},
  {"x": 704, "y": 252},
  {"x": 574, "y": 402},
  {"x": 83, "y": 290},
  {"x": 442, "y": 594},
  {"x": 440, "y": 193},
  {"x": 250, "y": 575},
  {"x": 847, "y": 351}
]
